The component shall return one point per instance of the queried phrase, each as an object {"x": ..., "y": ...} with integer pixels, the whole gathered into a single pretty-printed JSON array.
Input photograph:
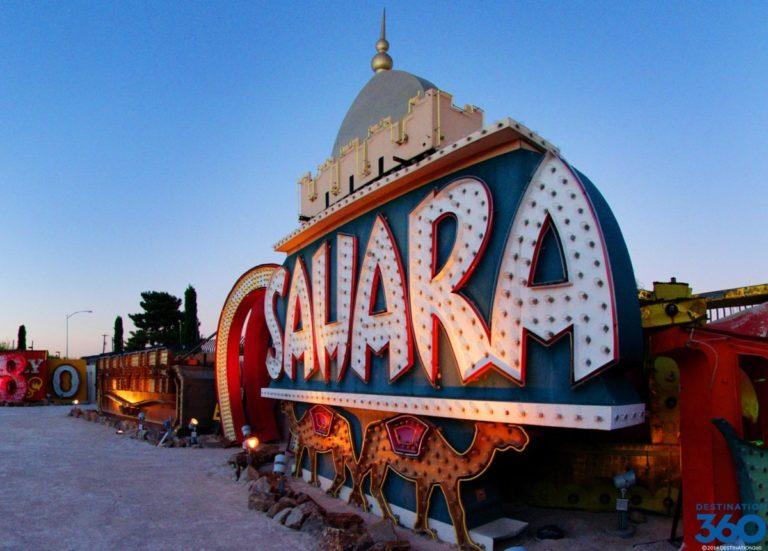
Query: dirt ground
[{"x": 70, "y": 484}]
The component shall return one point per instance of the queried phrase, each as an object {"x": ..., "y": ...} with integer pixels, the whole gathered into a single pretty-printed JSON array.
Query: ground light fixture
[
  {"x": 250, "y": 444},
  {"x": 280, "y": 468},
  {"x": 168, "y": 430},
  {"x": 623, "y": 482},
  {"x": 75, "y": 402},
  {"x": 193, "y": 431}
]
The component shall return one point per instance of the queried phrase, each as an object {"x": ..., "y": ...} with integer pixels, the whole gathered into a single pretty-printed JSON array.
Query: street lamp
[{"x": 69, "y": 316}]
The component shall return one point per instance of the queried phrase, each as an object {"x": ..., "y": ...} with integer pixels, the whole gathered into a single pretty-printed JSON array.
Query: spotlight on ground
[
  {"x": 623, "y": 482},
  {"x": 193, "y": 431}
]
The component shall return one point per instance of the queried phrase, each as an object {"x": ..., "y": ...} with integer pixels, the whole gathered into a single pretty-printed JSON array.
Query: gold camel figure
[
  {"x": 440, "y": 464},
  {"x": 338, "y": 442}
]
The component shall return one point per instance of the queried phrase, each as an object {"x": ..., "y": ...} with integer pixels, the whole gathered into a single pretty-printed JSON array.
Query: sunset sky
[{"x": 150, "y": 145}]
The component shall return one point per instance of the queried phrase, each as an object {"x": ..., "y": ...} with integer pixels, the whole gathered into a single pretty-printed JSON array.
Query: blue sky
[{"x": 148, "y": 145}]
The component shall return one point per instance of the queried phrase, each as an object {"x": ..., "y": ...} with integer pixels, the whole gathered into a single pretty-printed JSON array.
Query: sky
[{"x": 152, "y": 145}]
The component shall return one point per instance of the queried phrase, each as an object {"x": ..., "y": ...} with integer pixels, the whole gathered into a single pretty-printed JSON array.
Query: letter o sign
[{"x": 74, "y": 378}]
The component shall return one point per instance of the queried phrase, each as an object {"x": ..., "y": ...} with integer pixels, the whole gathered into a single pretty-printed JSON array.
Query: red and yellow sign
[{"x": 23, "y": 374}]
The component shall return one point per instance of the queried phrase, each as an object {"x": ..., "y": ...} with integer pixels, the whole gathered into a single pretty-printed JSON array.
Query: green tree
[
  {"x": 159, "y": 323},
  {"x": 136, "y": 341},
  {"x": 190, "y": 325},
  {"x": 117, "y": 337},
  {"x": 22, "y": 337}
]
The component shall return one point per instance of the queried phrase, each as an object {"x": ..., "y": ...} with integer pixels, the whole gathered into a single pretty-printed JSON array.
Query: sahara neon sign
[{"x": 580, "y": 305}]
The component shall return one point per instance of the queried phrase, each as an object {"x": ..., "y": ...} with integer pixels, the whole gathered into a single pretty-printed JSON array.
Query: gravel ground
[{"x": 71, "y": 484}]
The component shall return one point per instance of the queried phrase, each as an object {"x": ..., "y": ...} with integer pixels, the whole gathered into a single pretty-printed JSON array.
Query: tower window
[
  {"x": 381, "y": 166},
  {"x": 327, "y": 200},
  {"x": 351, "y": 183}
]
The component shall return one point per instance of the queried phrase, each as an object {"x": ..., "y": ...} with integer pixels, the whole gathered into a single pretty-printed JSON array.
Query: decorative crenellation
[
  {"x": 432, "y": 122},
  {"x": 531, "y": 140}
]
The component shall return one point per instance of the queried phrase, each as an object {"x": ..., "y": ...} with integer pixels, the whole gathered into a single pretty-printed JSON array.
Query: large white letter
[
  {"x": 374, "y": 332},
  {"x": 333, "y": 338},
  {"x": 276, "y": 288},
  {"x": 583, "y": 303},
  {"x": 299, "y": 342},
  {"x": 435, "y": 294}
]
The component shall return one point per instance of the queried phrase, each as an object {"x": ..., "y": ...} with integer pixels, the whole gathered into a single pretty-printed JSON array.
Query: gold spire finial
[{"x": 382, "y": 61}]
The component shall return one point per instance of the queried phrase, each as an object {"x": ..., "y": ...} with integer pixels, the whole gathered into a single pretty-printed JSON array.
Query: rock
[
  {"x": 550, "y": 532},
  {"x": 363, "y": 542},
  {"x": 382, "y": 532},
  {"x": 345, "y": 521},
  {"x": 314, "y": 524},
  {"x": 295, "y": 518},
  {"x": 282, "y": 504},
  {"x": 251, "y": 473},
  {"x": 282, "y": 515},
  {"x": 310, "y": 506},
  {"x": 238, "y": 463},
  {"x": 211, "y": 441},
  {"x": 301, "y": 512},
  {"x": 312, "y": 517},
  {"x": 301, "y": 497},
  {"x": 264, "y": 453},
  {"x": 337, "y": 539},
  {"x": 261, "y": 502},
  {"x": 267, "y": 484}
]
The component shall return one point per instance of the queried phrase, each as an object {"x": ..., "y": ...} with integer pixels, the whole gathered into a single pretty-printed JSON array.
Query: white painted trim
[
  {"x": 575, "y": 416},
  {"x": 407, "y": 518}
]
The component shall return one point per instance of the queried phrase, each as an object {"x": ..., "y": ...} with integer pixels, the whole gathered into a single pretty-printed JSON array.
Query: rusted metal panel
[{"x": 150, "y": 382}]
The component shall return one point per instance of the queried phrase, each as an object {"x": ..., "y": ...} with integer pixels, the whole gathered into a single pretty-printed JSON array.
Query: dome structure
[{"x": 385, "y": 95}]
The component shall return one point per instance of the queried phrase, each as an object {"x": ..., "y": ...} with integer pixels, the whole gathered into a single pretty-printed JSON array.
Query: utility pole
[{"x": 104, "y": 343}]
